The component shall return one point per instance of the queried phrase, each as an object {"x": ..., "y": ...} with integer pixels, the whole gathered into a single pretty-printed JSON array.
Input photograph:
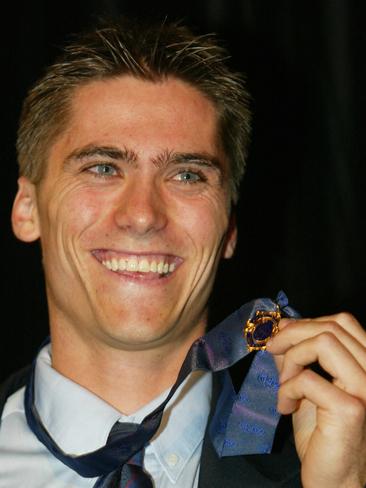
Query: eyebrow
[
  {"x": 203, "y": 159},
  {"x": 109, "y": 152}
]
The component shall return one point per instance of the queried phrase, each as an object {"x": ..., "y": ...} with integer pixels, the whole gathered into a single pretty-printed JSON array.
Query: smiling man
[
  {"x": 131, "y": 149},
  {"x": 133, "y": 217}
]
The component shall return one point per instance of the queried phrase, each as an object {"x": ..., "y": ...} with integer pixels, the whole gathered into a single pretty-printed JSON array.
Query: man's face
[{"x": 133, "y": 213}]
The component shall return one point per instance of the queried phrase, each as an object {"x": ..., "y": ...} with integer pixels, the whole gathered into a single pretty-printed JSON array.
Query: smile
[{"x": 146, "y": 263}]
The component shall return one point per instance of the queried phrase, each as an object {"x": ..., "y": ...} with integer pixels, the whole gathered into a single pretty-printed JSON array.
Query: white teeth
[
  {"x": 144, "y": 266},
  {"x": 134, "y": 265}
]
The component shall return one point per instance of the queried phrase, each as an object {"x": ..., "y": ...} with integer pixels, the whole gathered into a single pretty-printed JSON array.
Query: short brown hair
[{"x": 149, "y": 51}]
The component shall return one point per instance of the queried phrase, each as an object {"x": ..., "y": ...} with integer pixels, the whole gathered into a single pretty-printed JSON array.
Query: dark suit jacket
[{"x": 281, "y": 468}]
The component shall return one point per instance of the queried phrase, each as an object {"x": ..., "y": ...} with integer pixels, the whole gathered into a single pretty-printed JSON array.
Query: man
[{"x": 131, "y": 149}]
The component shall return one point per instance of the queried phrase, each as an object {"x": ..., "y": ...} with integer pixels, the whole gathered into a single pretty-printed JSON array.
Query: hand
[{"x": 329, "y": 417}]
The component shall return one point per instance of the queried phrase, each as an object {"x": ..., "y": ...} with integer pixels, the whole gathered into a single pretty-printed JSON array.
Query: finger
[
  {"x": 326, "y": 396},
  {"x": 345, "y": 320},
  {"x": 301, "y": 330},
  {"x": 333, "y": 357}
]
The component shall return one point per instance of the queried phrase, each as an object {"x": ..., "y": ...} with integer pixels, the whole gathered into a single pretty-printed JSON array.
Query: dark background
[{"x": 301, "y": 213}]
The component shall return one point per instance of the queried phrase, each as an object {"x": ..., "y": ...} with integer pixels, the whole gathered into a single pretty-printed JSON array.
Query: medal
[{"x": 260, "y": 329}]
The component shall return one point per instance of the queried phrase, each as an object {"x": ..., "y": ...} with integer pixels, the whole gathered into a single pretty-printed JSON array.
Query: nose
[{"x": 141, "y": 209}]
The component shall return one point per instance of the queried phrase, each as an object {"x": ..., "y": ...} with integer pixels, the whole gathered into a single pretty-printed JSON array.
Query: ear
[
  {"x": 231, "y": 238},
  {"x": 24, "y": 216}
]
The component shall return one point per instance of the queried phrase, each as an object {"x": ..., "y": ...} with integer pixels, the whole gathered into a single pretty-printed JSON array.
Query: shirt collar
[
  {"x": 185, "y": 418},
  {"x": 80, "y": 422}
]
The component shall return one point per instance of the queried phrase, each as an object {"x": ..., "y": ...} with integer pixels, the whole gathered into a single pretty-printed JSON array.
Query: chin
[{"x": 126, "y": 332}]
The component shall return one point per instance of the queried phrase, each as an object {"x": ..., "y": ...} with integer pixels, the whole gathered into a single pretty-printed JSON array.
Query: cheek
[
  {"x": 83, "y": 211},
  {"x": 73, "y": 212},
  {"x": 206, "y": 223}
]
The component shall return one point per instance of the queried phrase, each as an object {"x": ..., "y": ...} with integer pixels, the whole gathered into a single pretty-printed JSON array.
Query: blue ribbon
[{"x": 243, "y": 423}]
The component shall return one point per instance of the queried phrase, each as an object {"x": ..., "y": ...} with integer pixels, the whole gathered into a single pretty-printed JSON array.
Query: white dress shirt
[{"x": 80, "y": 422}]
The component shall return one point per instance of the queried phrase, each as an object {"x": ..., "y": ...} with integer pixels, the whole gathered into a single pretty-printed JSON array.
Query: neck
[{"x": 107, "y": 371}]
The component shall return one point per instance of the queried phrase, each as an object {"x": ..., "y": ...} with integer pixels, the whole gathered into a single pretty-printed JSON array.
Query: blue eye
[
  {"x": 103, "y": 169},
  {"x": 189, "y": 177}
]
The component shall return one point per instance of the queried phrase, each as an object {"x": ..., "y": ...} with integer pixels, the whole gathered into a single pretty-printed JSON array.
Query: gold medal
[{"x": 259, "y": 330}]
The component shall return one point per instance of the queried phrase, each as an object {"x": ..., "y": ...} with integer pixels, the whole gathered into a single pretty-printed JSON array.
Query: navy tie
[
  {"x": 131, "y": 474},
  {"x": 244, "y": 422}
]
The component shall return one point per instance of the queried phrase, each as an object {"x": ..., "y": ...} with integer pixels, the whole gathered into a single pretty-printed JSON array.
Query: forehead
[
  {"x": 132, "y": 111},
  {"x": 134, "y": 92}
]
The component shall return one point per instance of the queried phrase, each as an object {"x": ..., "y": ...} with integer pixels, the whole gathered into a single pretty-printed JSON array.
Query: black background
[{"x": 301, "y": 213}]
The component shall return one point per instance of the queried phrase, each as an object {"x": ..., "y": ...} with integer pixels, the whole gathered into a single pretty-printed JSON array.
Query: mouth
[{"x": 144, "y": 265}]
